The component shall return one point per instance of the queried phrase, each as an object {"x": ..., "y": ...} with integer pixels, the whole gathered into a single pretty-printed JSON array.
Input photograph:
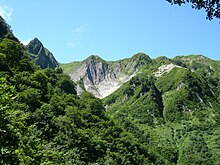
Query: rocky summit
[
  {"x": 102, "y": 78},
  {"x": 42, "y": 56}
]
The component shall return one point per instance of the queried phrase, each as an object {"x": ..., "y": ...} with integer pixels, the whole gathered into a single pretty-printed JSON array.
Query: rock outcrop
[
  {"x": 42, "y": 56},
  {"x": 102, "y": 78},
  {"x": 165, "y": 69}
]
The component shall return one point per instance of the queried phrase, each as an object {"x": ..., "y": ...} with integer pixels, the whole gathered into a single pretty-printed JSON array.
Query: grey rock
[
  {"x": 102, "y": 78},
  {"x": 42, "y": 56}
]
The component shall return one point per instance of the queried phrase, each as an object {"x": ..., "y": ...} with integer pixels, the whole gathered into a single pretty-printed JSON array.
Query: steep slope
[
  {"x": 184, "y": 93},
  {"x": 138, "y": 99},
  {"x": 41, "y": 55},
  {"x": 172, "y": 110},
  {"x": 68, "y": 67},
  {"x": 176, "y": 81},
  {"x": 101, "y": 77},
  {"x": 5, "y": 31},
  {"x": 43, "y": 121},
  {"x": 207, "y": 68}
]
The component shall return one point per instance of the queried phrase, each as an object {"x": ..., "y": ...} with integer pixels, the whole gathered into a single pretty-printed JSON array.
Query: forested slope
[
  {"x": 174, "y": 113},
  {"x": 168, "y": 113},
  {"x": 43, "y": 121}
]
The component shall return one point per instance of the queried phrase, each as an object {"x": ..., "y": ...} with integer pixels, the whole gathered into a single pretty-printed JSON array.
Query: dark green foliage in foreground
[{"x": 5, "y": 31}]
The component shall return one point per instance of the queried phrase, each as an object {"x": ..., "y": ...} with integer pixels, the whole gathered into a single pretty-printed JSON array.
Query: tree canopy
[{"x": 211, "y": 7}]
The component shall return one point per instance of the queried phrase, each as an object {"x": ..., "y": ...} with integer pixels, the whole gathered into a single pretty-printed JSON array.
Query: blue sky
[{"x": 113, "y": 29}]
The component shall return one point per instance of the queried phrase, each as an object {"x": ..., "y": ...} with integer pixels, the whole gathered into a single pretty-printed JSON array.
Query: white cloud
[
  {"x": 25, "y": 42},
  {"x": 6, "y": 12},
  {"x": 81, "y": 29},
  {"x": 71, "y": 44},
  {"x": 78, "y": 37}
]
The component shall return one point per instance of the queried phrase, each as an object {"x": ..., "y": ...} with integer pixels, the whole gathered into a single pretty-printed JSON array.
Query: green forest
[{"x": 171, "y": 119}]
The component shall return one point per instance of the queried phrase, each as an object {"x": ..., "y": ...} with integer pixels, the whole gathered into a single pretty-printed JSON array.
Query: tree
[
  {"x": 8, "y": 129},
  {"x": 66, "y": 84},
  {"x": 5, "y": 30},
  {"x": 11, "y": 52},
  {"x": 211, "y": 7}
]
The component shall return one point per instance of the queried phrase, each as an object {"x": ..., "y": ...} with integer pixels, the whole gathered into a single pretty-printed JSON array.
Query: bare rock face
[
  {"x": 41, "y": 55},
  {"x": 165, "y": 69},
  {"x": 102, "y": 78}
]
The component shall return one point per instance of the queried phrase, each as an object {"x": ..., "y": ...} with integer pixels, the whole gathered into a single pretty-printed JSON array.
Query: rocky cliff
[
  {"x": 41, "y": 55},
  {"x": 102, "y": 78}
]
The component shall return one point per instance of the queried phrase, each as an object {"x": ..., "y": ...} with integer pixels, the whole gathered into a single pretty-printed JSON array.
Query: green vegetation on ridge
[
  {"x": 67, "y": 68},
  {"x": 174, "y": 115}
]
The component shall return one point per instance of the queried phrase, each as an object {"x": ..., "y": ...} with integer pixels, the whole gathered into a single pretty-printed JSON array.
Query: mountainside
[
  {"x": 162, "y": 111},
  {"x": 101, "y": 77},
  {"x": 188, "y": 82},
  {"x": 43, "y": 121},
  {"x": 169, "y": 86},
  {"x": 42, "y": 56},
  {"x": 173, "y": 108}
]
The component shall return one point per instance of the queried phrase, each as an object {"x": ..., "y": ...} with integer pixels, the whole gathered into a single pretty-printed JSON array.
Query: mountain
[
  {"x": 43, "y": 121},
  {"x": 164, "y": 111},
  {"x": 101, "y": 77},
  {"x": 173, "y": 108},
  {"x": 42, "y": 56},
  {"x": 154, "y": 94},
  {"x": 169, "y": 105}
]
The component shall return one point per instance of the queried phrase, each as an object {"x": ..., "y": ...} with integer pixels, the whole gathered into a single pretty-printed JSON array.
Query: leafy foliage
[
  {"x": 211, "y": 7},
  {"x": 5, "y": 30}
]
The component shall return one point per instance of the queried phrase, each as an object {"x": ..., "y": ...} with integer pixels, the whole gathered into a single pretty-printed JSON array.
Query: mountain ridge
[{"x": 101, "y": 77}]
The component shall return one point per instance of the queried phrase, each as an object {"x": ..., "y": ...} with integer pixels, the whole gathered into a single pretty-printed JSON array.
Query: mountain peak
[
  {"x": 36, "y": 41},
  {"x": 35, "y": 47},
  {"x": 94, "y": 58},
  {"x": 140, "y": 55},
  {"x": 141, "y": 58},
  {"x": 101, "y": 77},
  {"x": 41, "y": 55}
]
